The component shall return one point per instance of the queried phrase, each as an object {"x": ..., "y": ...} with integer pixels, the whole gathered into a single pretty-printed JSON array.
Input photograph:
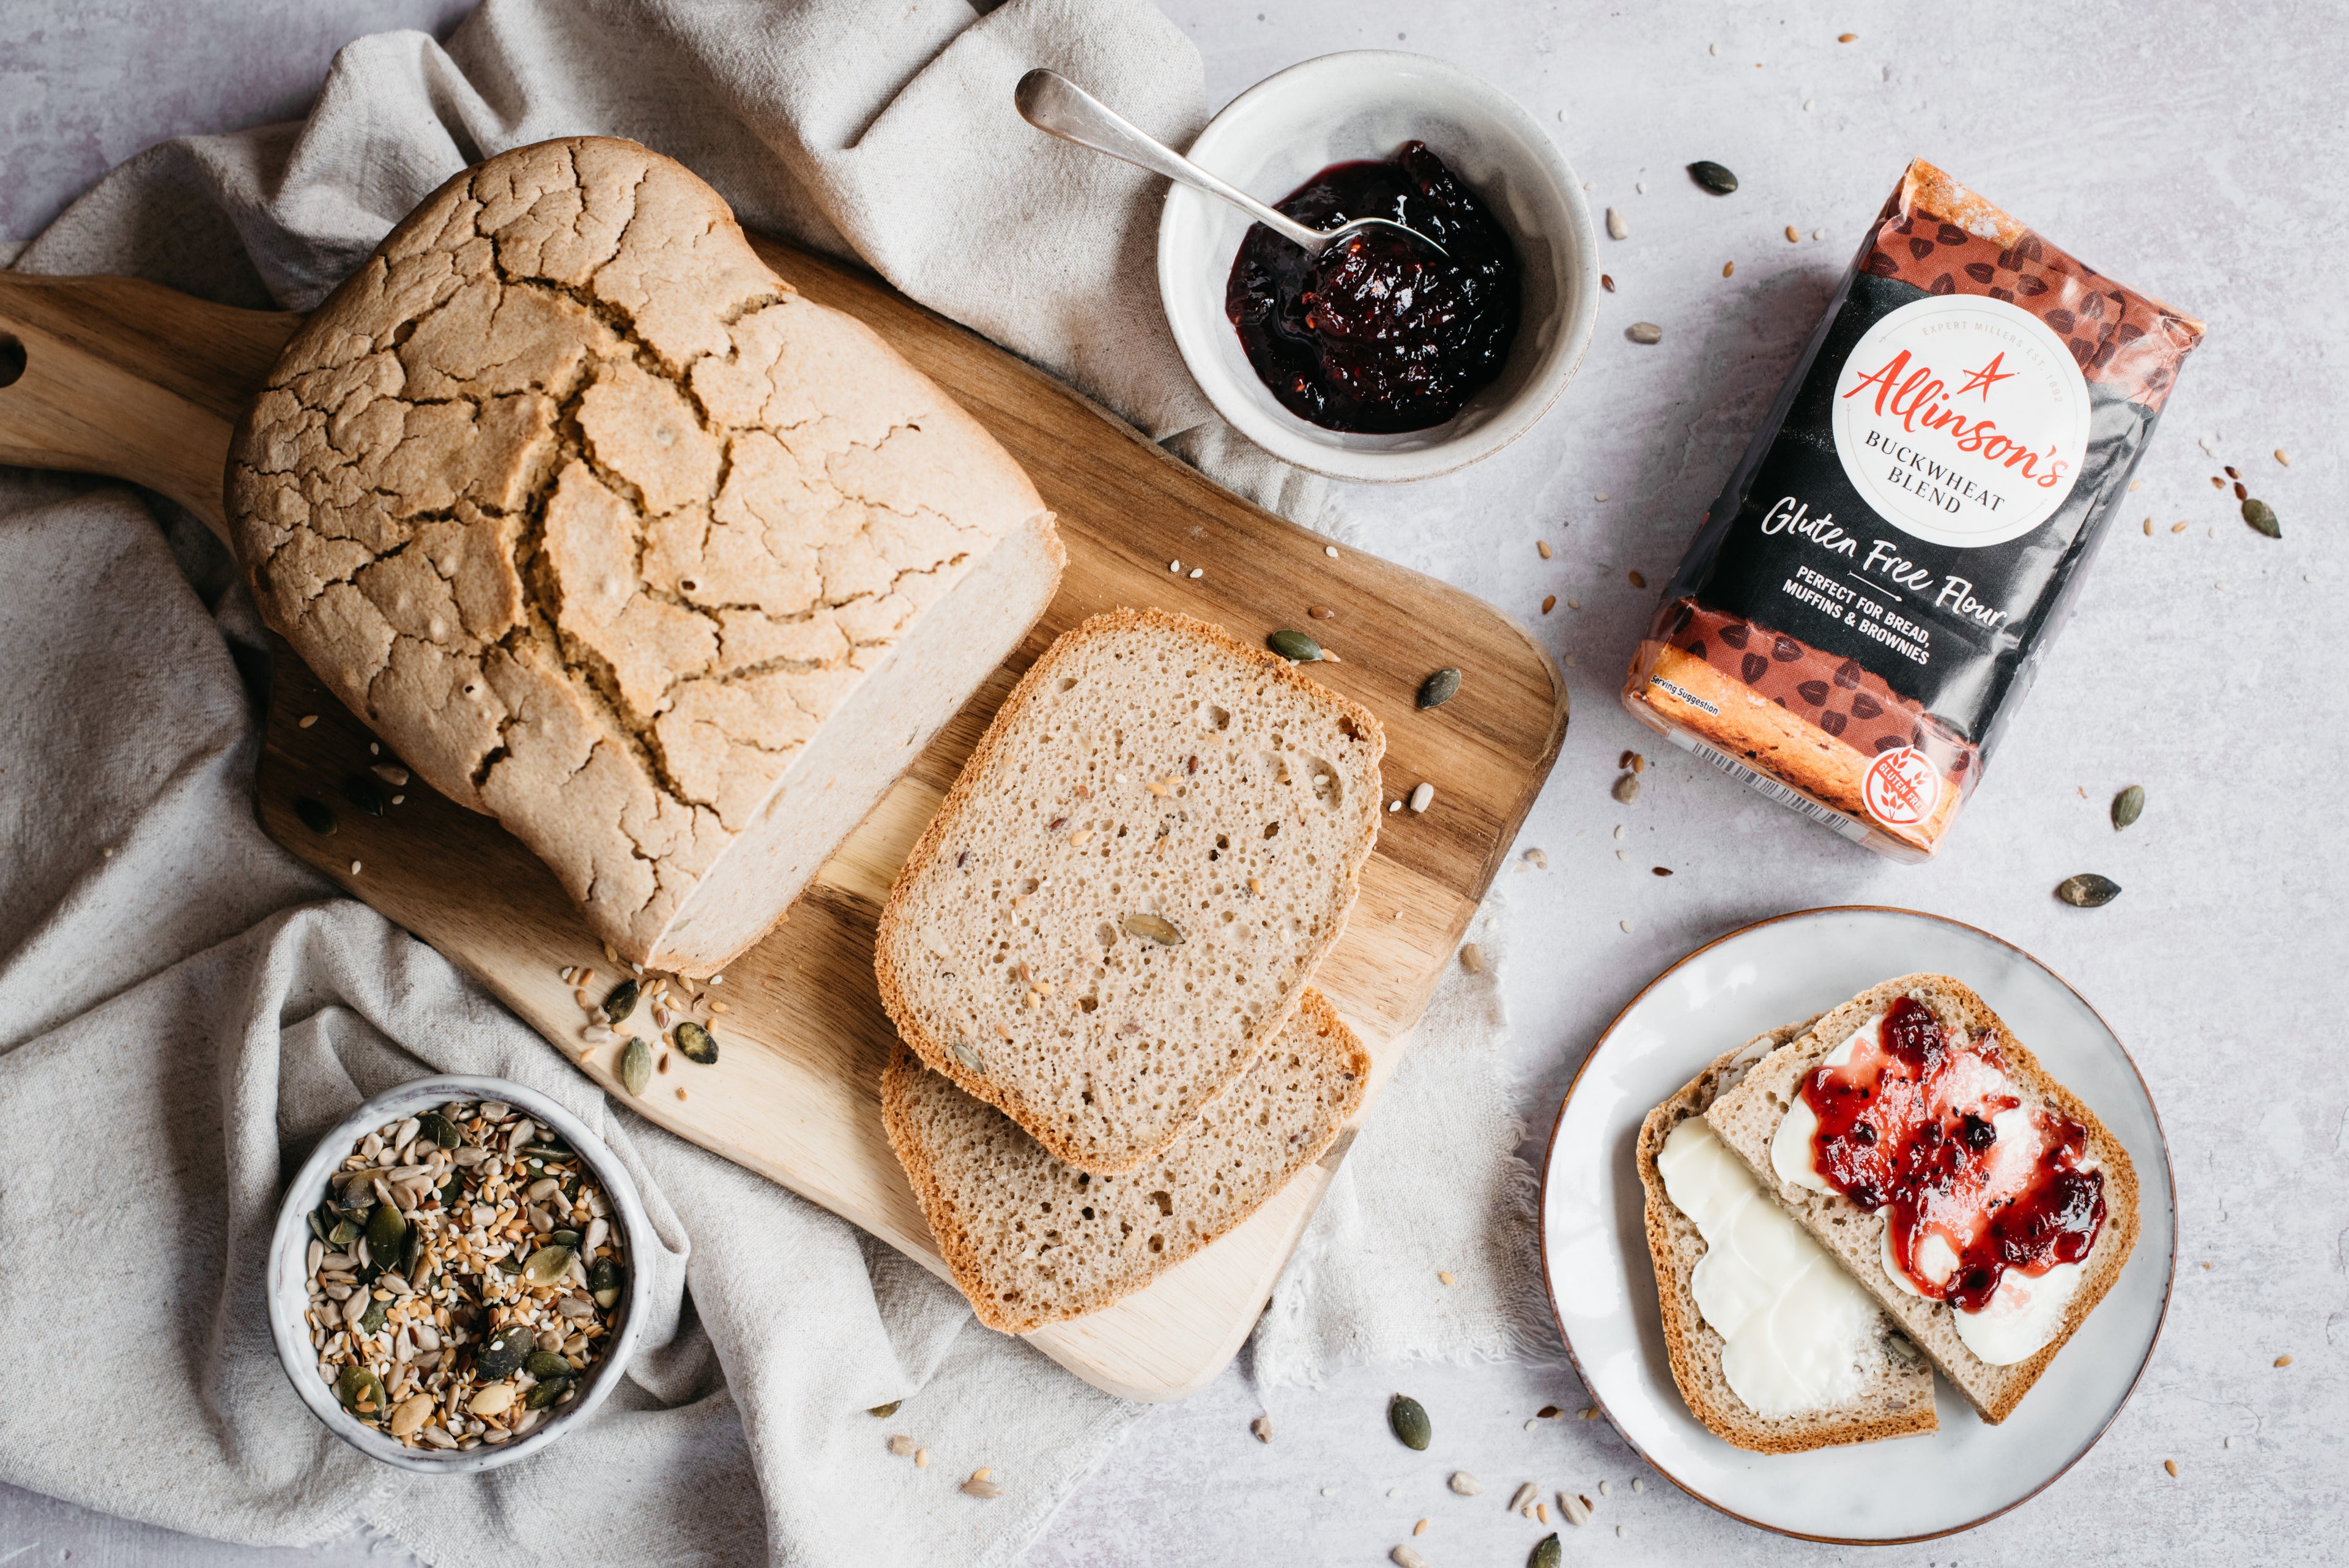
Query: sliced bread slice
[
  {"x": 1746, "y": 1118},
  {"x": 1125, "y": 892},
  {"x": 1894, "y": 1395},
  {"x": 1031, "y": 1241}
]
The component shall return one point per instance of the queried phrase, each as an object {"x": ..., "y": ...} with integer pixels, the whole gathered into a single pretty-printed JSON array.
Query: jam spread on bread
[
  {"x": 1974, "y": 1182},
  {"x": 1380, "y": 334}
]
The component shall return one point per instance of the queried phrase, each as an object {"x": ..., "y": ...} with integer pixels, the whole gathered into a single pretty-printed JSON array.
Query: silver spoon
[{"x": 1051, "y": 102}]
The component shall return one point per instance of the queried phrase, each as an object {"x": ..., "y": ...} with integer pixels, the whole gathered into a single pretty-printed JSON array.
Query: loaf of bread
[
  {"x": 1893, "y": 1392},
  {"x": 1032, "y": 1240},
  {"x": 1127, "y": 889},
  {"x": 1746, "y": 1119},
  {"x": 611, "y": 535}
]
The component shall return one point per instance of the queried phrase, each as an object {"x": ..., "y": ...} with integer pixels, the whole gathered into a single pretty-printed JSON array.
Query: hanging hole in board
[{"x": 12, "y": 358}]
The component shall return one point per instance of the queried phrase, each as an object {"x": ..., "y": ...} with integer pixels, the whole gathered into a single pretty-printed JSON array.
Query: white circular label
[
  {"x": 1962, "y": 420},
  {"x": 1902, "y": 787}
]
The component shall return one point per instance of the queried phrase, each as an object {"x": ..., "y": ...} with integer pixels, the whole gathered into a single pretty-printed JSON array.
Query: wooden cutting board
[{"x": 127, "y": 379}]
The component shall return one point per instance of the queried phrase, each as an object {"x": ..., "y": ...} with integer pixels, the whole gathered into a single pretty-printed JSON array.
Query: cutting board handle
[{"x": 126, "y": 378}]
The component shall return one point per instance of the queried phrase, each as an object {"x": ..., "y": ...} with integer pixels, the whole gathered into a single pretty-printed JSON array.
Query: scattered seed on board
[
  {"x": 1638, "y": 581},
  {"x": 2279, "y": 457},
  {"x": 1524, "y": 1495},
  {"x": 1576, "y": 1510},
  {"x": 1847, "y": 37},
  {"x": 1439, "y": 688},
  {"x": 1602, "y": 1489},
  {"x": 1467, "y": 1485},
  {"x": 902, "y": 1446},
  {"x": 1549, "y": 603},
  {"x": 2262, "y": 517},
  {"x": 1421, "y": 1528},
  {"x": 1728, "y": 269},
  {"x": 1547, "y": 1552},
  {"x": 1627, "y": 788},
  {"x": 1794, "y": 236},
  {"x": 885, "y": 1411},
  {"x": 1607, "y": 282},
  {"x": 1472, "y": 958},
  {"x": 1639, "y": 1485},
  {"x": 1330, "y": 551},
  {"x": 1543, "y": 546},
  {"x": 1421, "y": 796},
  {"x": 2283, "y": 1360},
  {"x": 309, "y": 718},
  {"x": 2127, "y": 807},
  {"x": 2170, "y": 1465},
  {"x": 1446, "y": 1276},
  {"x": 1294, "y": 645},
  {"x": 922, "y": 1459},
  {"x": 1404, "y": 1557},
  {"x": 1644, "y": 332},
  {"x": 1617, "y": 229},
  {"x": 1713, "y": 176},
  {"x": 980, "y": 1486},
  {"x": 1408, "y": 1419},
  {"x": 1626, "y": 932},
  {"x": 1262, "y": 1427},
  {"x": 1536, "y": 859}
]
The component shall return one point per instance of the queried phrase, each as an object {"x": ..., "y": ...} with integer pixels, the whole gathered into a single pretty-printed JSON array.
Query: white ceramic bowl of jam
[{"x": 1364, "y": 107}]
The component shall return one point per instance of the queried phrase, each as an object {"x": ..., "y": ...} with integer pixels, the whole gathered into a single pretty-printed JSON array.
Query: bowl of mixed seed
[{"x": 452, "y": 1282}]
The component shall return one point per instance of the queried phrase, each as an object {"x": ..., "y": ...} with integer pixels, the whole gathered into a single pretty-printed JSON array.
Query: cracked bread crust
[{"x": 597, "y": 521}]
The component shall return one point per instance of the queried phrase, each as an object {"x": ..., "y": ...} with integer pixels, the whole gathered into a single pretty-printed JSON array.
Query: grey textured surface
[{"x": 2196, "y": 153}]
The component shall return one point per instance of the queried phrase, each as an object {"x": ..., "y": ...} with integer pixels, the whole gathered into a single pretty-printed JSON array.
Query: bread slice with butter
[
  {"x": 1879, "y": 1386},
  {"x": 1032, "y": 1241},
  {"x": 1124, "y": 894},
  {"x": 1747, "y": 1118}
]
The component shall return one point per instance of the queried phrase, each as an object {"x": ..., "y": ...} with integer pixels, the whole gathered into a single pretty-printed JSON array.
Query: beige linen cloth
[{"x": 183, "y": 1008}]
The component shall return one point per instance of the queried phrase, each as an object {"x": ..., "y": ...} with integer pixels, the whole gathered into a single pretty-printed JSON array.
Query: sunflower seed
[
  {"x": 1439, "y": 688},
  {"x": 1408, "y": 1419},
  {"x": 1644, "y": 332},
  {"x": 1576, "y": 1509},
  {"x": 1404, "y": 1557},
  {"x": 1627, "y": 788},
  {"x": 1524, "y": 1495},
  {"x": 1262, "y": 1427},
  {"x": 1153, "y": 927},
  {"x": 1294, "y": 645},
  {"x": 1617, "y": 229},
  {"x": 980, "y": 1486},
  {"x": 2087, "y": 890},
  {"x": 2129, "y": 806},
  {"x": 1421, "y": 795},
  {"x": 1471, "y": 957},
  {"x": 1465, "y": 1484}
]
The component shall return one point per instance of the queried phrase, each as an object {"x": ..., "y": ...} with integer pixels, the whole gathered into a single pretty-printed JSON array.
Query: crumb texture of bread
[
  {"x": 610, "y": 534},
  {"x": 1746, "y": 1117},
  {"x": 1124, "y": 895},
  {"x": 1896, "y": 1396},
  {"x": 1032, "y": 1240}
]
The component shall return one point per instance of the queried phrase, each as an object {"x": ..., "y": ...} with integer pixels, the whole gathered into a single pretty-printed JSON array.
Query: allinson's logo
[{"x": 1962, "y": 420}]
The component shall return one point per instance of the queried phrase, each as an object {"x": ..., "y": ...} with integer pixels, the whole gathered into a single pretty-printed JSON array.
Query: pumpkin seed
[
  {"x": 355, "y": 1385},
  {"x": 439, "y": 1129},
  {"x": 1294, "y": 645},
  {"x": 635, "y": 1065},
  {"x": 544, "y": 1364},
  {"x": 411, "y": 1252},
  {"x": 1712, "y": 177},
  {"x": 371, "y": 1320},
  {"x": 2262, "y": 518},
  {"x": 386, "y": 1231},
  {"x": 697, "y": 1042},
  {"x": 344, "y": 1234},
  {"x": 363, "y": 793},
  {"x": 1153, "y": 927},
  {"x": 564, "y": 1239},
  {"x": 315, "y": 814},
  {"x": 546, "y": 1393},
  {"x": 603, "y": 1283},
  {"x": 1439, "y": 688},
  {"x": 319, "y": 1227},
  {"x": 622, "y": 1002},
  {"x": 967, "y": 1054},
  {"x": 2129, "y": 806},
  {"x": 886, "y": 1410},
  {"x": 504, "y": 1354},
  {"x": 1548, "y": 1553},
  {"x": 547, "y": 1265},
  {"x": 1408, "y": 1417},
  {"x": 2088, "y": 890}
]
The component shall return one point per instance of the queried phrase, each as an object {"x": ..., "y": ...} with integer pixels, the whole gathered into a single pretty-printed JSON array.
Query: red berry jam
[
  {"x": 1910, "y": 1125},
  {"x": 1381, "y": 334}
]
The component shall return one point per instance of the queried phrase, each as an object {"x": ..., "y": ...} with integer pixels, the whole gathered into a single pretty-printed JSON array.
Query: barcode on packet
[{"x": 1826, "y": 817}]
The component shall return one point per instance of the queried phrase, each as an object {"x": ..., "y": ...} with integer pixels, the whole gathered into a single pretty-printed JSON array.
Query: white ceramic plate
[
  {"x": 1603, "y": 1288},
  {"x": 1363, "y": 104}
]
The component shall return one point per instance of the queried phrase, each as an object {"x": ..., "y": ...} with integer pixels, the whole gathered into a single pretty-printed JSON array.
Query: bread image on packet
[{"x": 1866, "y": 603}]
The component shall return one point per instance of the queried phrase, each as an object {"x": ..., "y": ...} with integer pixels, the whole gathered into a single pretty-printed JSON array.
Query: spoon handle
[{"x": 1051, "y": 102}]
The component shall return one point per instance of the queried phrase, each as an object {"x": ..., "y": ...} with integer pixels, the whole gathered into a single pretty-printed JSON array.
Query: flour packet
[{"x": 1868, "y": 600}]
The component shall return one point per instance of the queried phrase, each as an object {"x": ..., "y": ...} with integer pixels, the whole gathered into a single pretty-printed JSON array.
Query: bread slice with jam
[
  {"x": 1893, "y": 1391},
  {"x": 1747, "y": 1118}
]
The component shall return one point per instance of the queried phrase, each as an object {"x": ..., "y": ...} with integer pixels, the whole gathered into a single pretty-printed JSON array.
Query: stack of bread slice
[
  {"x": 1099, "y": 957},
  {"x": 1880, "y": 1364}
]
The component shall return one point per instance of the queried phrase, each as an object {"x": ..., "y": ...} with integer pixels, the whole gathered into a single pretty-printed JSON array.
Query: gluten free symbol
[{"x": 1902, "y": 788}]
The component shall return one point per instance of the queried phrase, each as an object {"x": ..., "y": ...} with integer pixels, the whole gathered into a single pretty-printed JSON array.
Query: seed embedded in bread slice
[
  {"x": 1896, "y": 1394},
  {"x": 1031, "y": 1241},
  {"x": 1748, "y": 1116},
  {"x": 1124, "y": 894}
]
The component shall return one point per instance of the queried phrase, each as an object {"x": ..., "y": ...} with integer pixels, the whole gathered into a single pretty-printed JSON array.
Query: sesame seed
[
  {"x": 309, "y": 718},
  {"x": 1174, "y": 566},
  {"x": 355, "y": 868},
  {"x": 1330, "y": 551},
  {"x": 1198, "y": 572}
]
